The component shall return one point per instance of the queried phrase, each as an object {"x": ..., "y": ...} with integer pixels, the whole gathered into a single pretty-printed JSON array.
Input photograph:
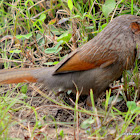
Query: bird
[{"x": 94, "y": 65}]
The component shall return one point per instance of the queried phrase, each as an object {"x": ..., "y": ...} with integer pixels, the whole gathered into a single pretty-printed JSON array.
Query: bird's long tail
[{"x": 18, "y": 75}]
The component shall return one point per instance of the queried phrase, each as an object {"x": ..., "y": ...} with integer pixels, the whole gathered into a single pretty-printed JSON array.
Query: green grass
[{"x": 36, "y": 34}]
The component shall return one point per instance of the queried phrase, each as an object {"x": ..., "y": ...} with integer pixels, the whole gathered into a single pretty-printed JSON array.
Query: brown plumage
[{"x": 91, "y": 66}]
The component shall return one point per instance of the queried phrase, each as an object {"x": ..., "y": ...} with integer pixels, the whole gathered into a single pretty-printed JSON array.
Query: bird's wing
[{"x": 86, "y": 59}]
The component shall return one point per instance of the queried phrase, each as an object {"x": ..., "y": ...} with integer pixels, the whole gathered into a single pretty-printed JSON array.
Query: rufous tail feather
[{"x": 17, "y": 76}]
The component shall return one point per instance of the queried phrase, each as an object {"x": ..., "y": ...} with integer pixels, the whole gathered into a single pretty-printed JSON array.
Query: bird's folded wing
[{"x": 86, "y": 59}]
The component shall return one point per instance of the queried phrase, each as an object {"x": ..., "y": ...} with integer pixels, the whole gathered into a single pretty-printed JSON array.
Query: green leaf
[
  {"x": 104, "y": 25},
  {"x": 15, "y": 51},
  {"x": 131, "y": 105},
  {"x": 76, "y": 16},
  {"x": 27, "y": 36},
  {"x": 65, "y": 37},
  {"x": 42, "y": 17},
  {"x": 61, "y": 133},
  {"x": 58, "y": 50},
  {"x": 70, "y": 4},
  {"x": 87, "y": 123},
  {"x": 58, "y": 44},
  {"x": 108, "y": 7},
  {"x": 51, "y": 63},
  {"x": 50, "y": 50},
  {"x": 35, "y": 22},
  {"x": 40, "y": 41},
  {"x": 24, "y": 89},
  {"x": 55, "y": 49},
  {"x": 61, "y": 58},
  {"x": 90, "y": 27},
  {"x": 120, "y": 98},
  {"x": 19, "y": 36}
]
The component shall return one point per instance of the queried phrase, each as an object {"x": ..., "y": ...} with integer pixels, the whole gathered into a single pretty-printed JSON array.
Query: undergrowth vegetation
[{"x": 39, "y": 34}]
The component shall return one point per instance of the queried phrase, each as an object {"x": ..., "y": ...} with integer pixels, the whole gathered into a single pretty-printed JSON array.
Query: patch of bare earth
[{"x": 52, "y": 120}]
